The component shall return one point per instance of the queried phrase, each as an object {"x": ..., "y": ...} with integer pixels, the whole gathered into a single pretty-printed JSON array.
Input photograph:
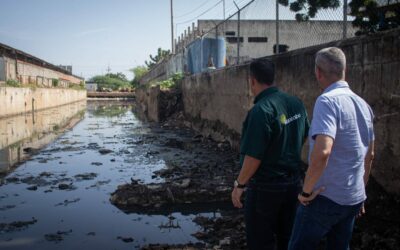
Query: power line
[
  {"x": 194, "y": 10},
  {"x": 201, "y": 13}
]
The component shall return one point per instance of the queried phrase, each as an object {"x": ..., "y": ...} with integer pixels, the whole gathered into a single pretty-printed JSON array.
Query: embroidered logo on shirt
[{"x": 287, "y": 121}]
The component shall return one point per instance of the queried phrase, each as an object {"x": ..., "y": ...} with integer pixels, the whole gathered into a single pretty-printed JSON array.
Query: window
[
  {"x": 258, "y": 39},
  {"x": 282, "y": 48},
  {"x": 230, "y": 33},
  {"x": 234, "y": 39}
]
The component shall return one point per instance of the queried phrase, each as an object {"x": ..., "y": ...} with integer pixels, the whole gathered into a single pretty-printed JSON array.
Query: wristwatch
[
  {"x": 236, "y": 184},
  {"x": 304, "y": 194}
]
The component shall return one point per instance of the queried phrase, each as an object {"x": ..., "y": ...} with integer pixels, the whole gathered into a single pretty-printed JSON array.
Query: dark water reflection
[
  {"x": 22, "y": 134},
  {"x": 71, "y": 182}
]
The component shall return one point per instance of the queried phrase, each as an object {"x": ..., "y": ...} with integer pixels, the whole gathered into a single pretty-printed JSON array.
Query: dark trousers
[
  {"x": 323, "y": 218},
  {"x": 269, "y": 215}
]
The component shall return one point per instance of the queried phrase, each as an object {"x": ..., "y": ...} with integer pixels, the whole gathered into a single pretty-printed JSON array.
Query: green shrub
[
  {"x": 172, "y": 82},
  {"x": 55, "y": 82},
  {"x": 13, "y": 83}
]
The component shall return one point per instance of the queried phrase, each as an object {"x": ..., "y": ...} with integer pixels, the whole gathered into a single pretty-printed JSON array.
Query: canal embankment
[
  {"x": 216, "y": 102},
  {"x": 20, "y": 100},
  {"x": 29, "y": 84}
]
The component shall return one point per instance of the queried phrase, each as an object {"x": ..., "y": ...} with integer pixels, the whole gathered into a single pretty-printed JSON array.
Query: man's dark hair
[{"x": 263, "y": 70}]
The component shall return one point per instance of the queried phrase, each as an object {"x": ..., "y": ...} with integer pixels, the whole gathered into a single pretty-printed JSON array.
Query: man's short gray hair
[{"x": 331, "y": 61}]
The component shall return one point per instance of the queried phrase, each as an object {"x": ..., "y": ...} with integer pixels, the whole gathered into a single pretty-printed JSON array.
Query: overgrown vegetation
[
  {"x": 138, "y": 73},
  {"x": 161, "y": 54},
  {"x": 173, "y": 82},
  {"x": 111, "y": 81},
  {"x": 54, "y": 82},
  {"x": 13, "y": 83},
  {"x": 80, "y": 86}
]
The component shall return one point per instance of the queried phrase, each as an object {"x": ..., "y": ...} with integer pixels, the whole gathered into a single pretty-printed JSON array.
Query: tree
[
  {"x": 307, "y": 9},
  {"x": 111, "y": 81},
  {"x": 118, "y": 75},
  {"x": 161, "y": 54},
  {"x": 138, "y": 73},
  {"x": 368, "y": 17}
]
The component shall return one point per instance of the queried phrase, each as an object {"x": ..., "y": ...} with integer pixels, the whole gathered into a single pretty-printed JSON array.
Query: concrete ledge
[
  {"x": 110, "y": 94},
  {"x": 15, "y": 101}
]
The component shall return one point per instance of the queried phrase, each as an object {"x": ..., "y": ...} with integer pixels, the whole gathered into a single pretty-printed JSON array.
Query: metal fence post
[
  {"x": 345, "y": 6},
  {"x": 277, "y": 28},
  {"x": 238, "y": 39},
  {"x": 216, "y": 41}
]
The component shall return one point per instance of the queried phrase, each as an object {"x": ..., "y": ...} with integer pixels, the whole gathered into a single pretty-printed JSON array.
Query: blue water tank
[{"x": 200, "y": 52}]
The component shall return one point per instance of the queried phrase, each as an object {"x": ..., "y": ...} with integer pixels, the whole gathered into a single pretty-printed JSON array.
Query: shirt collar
[
  {"x": 336, "y": 85},
  {"x": 265, "y": 93}
]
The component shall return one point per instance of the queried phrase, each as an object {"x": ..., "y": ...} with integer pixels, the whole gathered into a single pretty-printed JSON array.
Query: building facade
[{"x": 21, "y": 67}]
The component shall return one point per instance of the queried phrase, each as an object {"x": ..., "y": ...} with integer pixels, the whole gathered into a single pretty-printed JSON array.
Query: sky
[{"x": 93, "y": 35}]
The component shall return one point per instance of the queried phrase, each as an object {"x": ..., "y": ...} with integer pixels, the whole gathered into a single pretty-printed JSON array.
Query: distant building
[
  {"x": 16, "y": 65},
  {"x": 258, "y": 37},
  {"x": 66, "y": 67},
  {"x": 91, "y": 86}
]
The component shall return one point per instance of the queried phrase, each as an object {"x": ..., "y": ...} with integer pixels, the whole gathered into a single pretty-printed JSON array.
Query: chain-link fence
[{"x": 259, "y": 28}]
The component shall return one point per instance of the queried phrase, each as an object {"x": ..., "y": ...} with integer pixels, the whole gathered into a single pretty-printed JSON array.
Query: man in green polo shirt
[{"x": 272, "y": 138}]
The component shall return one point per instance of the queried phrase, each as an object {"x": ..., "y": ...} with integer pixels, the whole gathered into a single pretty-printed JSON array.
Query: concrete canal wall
[
  {"x": 217, "y": 101},
  {"x": 14, "y": 101}
]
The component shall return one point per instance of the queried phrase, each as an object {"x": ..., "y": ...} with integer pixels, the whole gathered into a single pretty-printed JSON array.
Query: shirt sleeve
[
  {"x": 306, "y": 124},
  {"x": 256, "y": 139},
  {"x": 371, "y": 126},
  {"x": 324, "y": 120}
]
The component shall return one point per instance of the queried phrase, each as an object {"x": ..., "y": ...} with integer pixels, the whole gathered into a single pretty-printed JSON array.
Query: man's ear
[
  {"x": 317, "y": 72},
  {"x": 252, "y": 81}
]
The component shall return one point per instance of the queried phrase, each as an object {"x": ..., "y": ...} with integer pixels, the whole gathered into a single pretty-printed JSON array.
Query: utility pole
[
  {"x": 172, "y": 28},
  {"x": 223, "y": 4},
  {"x": 345, "y": 19},
  {"x": 277, "y": 28}
]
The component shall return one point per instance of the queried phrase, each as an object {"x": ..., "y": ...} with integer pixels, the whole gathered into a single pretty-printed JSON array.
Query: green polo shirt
[{"x": 274, "y": 132}]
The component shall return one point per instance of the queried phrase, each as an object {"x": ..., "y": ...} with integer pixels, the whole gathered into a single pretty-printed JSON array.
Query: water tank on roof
[{"x": 206, "y": 53}]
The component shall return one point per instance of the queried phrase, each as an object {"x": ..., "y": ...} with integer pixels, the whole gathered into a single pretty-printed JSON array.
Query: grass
[{"x": 55, "y": 84}]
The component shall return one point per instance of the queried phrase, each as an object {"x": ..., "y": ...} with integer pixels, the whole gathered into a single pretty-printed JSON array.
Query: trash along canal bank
[{"x": 115, "y": 182}]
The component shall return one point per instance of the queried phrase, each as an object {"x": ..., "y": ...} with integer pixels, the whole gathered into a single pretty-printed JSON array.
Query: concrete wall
[
  {"x": 148, "y": 102},
  {"x": 15, "y": 101},
  {"x": 2, "y": 69},
  {"x": 218, "y": 101}
]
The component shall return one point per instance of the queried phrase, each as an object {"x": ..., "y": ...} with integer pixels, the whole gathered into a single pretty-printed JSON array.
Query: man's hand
[
  {"x": 361, "y": 212},
  {"x": 306, "y": 200},
  {"x": 236, "y": 195}
]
